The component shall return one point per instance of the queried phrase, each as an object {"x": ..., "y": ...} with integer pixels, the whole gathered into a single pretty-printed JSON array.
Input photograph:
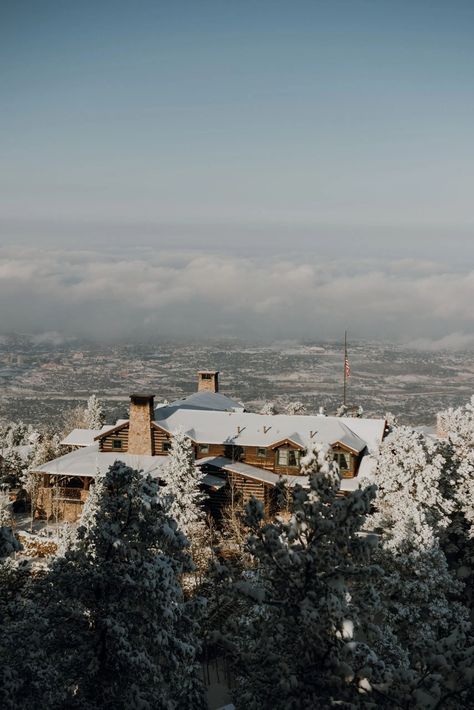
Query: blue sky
[
  {"x": 247, "y": 112},
  {"x": 250, "y": 128}
]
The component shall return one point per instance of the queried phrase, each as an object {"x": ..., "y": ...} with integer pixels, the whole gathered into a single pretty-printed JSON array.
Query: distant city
[{"x": 42, "y": 382}]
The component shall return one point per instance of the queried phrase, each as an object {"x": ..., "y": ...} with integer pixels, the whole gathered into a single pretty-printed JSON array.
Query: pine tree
[
  {"x": 269, "y": 408},
  {"x": 423, "y": 629},
  {"x": 46, "y": 448},
  {"x": 411, "y": 468},
  {"x": 295, "y": 645},
  {"x": 183, "y": 481},
  {"x": 296, "y": 408},
  {"x": 94, "y": 415},
  {"x": 458, "y": 449},
  {"x": 115, "y": 629}
]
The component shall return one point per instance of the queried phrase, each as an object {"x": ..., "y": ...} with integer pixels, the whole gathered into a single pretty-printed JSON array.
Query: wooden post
[{"x": 345, "y": 368}]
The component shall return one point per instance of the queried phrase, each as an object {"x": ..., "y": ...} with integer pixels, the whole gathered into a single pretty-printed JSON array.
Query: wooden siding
[
  {"x": 64, "y": 501},
  {"x": 159, "y": 438},
  {"x": 214, "y": 450},
  {"x": 251, "y": 458},
  {"x": 106, "y": 444}
]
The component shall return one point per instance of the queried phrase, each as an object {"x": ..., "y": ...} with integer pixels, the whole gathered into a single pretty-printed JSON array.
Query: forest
[{"x": 356, "y": 601}]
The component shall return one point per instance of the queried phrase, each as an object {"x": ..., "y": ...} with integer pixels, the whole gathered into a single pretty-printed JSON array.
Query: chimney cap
[
  {"x": 208, "y": 372},
  {"x": 142, "y": 395}
]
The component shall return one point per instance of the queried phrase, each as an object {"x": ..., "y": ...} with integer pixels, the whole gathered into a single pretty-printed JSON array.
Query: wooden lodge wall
[
  {"x": 106, "y": 444},
  {"x": 247, "y": 454}
]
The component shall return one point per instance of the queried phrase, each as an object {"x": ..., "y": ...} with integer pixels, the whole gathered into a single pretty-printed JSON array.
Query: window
[
  {"x": 343, "y": 460},
  {"x": 166, "y": 446},
  {"x": 288, "y": 457},
  {"x": 203, "y": 448},
  {"x": 116, "y": 443},
  {"x": 261, "y": 453}
]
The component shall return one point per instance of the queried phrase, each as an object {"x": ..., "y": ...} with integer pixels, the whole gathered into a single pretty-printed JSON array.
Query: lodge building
[{"x": 240, "y": 453}]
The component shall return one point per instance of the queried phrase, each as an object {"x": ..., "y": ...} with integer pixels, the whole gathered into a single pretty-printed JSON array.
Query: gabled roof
[
  {"x": 84, "y": 437},
  {"x": 113, "y": 430},
  {"x": 293, "y": 439},
  {"x": 248, "y": 429},
  {"x": 91, "y": 462},
  {"x": 214, "y": 401},
  {"x": 244, "y": 469}
]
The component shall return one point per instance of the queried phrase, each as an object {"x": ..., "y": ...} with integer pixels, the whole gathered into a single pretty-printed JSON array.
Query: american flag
[{"x": 347, "y": 367}]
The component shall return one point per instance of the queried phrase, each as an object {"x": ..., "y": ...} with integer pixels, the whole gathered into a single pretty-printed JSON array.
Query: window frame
[
  {"x": 337, "y": 455},
  {"x": 290, "y": 452}
]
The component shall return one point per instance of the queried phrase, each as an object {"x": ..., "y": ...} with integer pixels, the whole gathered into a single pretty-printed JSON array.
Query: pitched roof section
[
  {"x": 112, "y": 430},
  {"x": 213, "y": 401},
  {"x": 244, "y": 469},
  {"x": 89, "y": 461},
  {"x": 84, "y": 437},
  {"x": 248, "y": 429}
]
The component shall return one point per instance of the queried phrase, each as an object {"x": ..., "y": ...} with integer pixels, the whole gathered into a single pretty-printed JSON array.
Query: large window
[
  {"x": 343, "y": 460},
  {"x": 288, "y": 457}
]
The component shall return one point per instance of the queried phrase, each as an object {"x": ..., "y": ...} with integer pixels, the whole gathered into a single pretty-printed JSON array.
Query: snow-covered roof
[
  {"x": 89, "y": 461},
  {"x": 84, "y": 437},
  {"x": 248, "y": 429},
  {"x": 244, "y": 469},
  {"x": 204, "y": 400}
]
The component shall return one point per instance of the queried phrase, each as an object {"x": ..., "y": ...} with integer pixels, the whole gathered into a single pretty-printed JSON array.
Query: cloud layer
[{"x": 150, "y": 294}]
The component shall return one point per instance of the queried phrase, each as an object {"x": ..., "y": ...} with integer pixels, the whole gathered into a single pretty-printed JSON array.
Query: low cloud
[
  {"x": 152, "y": 294},
  {"x": 453, "y": 341}
]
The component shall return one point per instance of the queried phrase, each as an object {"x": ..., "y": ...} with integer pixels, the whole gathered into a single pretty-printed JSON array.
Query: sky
[{"x": 247, "y": 169}]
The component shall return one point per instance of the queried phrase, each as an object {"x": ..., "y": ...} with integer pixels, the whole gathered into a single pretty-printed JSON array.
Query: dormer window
[
  {"x": 288, "y": 457},
  {"x": 343, "y": 460}
]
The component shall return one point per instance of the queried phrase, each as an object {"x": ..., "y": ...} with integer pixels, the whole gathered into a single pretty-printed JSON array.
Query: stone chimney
[
  {"x": 140, "y": 435},
  {"x": 208, "y": 381}
]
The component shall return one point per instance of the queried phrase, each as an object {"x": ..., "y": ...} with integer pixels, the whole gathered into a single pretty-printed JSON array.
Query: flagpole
[{"x": 345, "y": 367}]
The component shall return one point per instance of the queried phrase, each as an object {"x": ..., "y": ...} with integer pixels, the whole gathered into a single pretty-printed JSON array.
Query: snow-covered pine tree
[
  {"x": 183, "y": 490},
  {"x": 46, "y": 448},
  {"x": 458, "y": 450},
  {"x": 94, "y": 415},
  {"x": 295, "y": 646},
  {"x": 296, "y": 408},
  {"x": 269, "y": 408},
  {"x": 411, "y": 468},
  {"x": 116, "y": 631},
  {"x": 12, "y": 467},
  {"x": 422, "y": 630}
]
